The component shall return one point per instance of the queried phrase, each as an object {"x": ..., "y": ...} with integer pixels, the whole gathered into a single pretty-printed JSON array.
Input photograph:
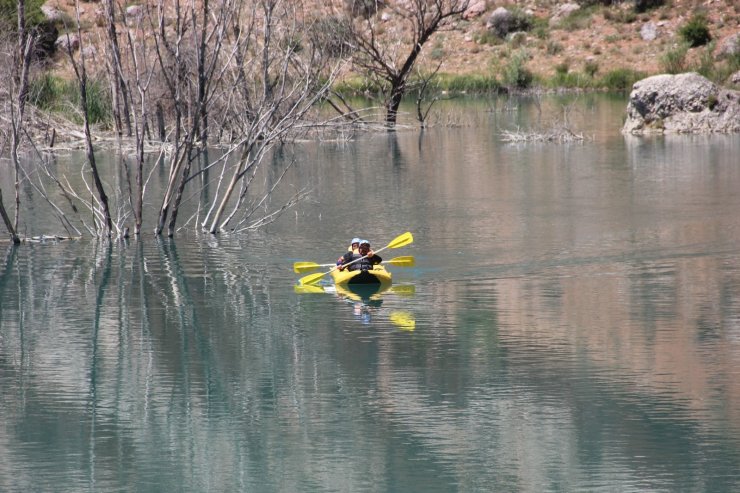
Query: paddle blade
[
  {"x": 403, "y": 320},
  {"x": 311, "y": 278},
  {"x": 403, "y": 289},
  {"x": 308, "y": 289},
  {"x": 401, "y": 240},
  {"x": 301, "y": 267},
  {"x": 405, "y": 261}
]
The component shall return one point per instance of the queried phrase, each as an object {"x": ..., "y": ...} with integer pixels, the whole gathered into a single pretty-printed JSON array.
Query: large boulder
[{"x": 682, "y": 103}]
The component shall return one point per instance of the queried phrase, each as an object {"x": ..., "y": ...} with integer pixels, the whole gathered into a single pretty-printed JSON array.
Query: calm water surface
[{"x": 572, "y": 324}]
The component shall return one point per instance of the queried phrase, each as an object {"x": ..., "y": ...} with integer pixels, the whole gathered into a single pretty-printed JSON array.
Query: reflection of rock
[{"x": 683, "y": 103}]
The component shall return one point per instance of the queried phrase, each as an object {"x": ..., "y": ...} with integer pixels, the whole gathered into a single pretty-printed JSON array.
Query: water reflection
[{"x": 572, "y": 323}]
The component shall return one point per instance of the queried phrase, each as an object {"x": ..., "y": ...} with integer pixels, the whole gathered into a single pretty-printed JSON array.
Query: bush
[
  {"x": 516, "y": 74},
  {"x": 51, "y": 93},
  {"x": 331, "y": 35},
  {"x": 9, "y": 13},
  {"x": 621, "y": 79},
  {"x": 696, "y": 31},
  {"x": 674, "y": 61},
  {"x": 469, "y": 83},
  {"x": 512, "y": 21},
  {"x": 590, "y": 68},
  {"x": 645, "y": 5},
  {"x": 553, "y": 48},
  {"x": 580, "y": 19}
]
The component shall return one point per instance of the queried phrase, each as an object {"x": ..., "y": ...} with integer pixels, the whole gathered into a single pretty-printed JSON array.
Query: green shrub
[
  {"x": 590, "y": 68},
  {"x": 706, "y": 63},
  {"x": 468, "y": 83},
  {"x": 517, "y": 20},
  {"x": 9, "y": 13},
  {"x": 696, "y": 31},
  {"x": 331, "y": 35},
  {"x": 553, "y": 48},
  {"x": 516, "y": 73},
  {"x": 517, "y": 39},
  {"x": 487, "y": 37},
  {"x": 674, "y": 61},
  {"x": 621, "y": 79},
  {"x": 54, "y": 94},
  {"x": 645, "y": 5},
  {"x": 580, "y": 19},
  {"x": 620, "y": 15}
]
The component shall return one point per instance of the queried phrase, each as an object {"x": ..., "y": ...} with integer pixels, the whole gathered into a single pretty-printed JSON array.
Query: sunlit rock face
[{"x": 682, "y": 103}]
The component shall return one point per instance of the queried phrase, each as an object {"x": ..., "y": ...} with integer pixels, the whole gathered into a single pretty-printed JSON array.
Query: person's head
[
  {"x": 355, "y": 243},
  {"x": 364, "y": 246}
]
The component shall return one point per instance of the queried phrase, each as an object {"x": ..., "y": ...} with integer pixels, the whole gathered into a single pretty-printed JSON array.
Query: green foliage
[
  {"x": 54, "y": 94},
  {"x": 580, "y": 19},
  {"x": 540, "y": 28},
  {"x": 469, "y": 83},
  {"x": 331, "y": 35},
  {"x": 562, "y": 68},
  {"x": 517, "y": 39},
  {"x": 712, "y": 101},
  {"x": 516, "y": 73},
  {"x": 553, "y": 48},
  {"x": 9, "y": 13},
  {"x": 620, "y": 79},
  {"x": 620, "y": 15},
  {"x": 696, "y": 31},
  {"x": 706, "y": 63},
  {"x": 645, "y": 5},
  {"x": 674, "y": 61},
  {"x": 487, "y": 37},
  {"x": 354, "y": 86},
  {"x": 518, "y": 20},
  {"x": 590, "y": 68}
]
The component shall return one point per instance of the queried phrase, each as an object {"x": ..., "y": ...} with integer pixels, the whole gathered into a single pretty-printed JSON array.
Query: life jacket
[{"x": 364, "y": 264}]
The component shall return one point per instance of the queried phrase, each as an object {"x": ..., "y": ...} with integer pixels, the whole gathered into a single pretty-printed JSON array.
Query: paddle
[
  {"x": 403, "y": 320},
  {"x": 398, "y": 242},
  {"x": 404, "y": 261}
]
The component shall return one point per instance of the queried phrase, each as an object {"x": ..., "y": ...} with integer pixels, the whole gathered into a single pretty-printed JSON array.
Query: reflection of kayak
[
  {"x": 361, "y": 292},
  {"x": 376, "y": 276}
]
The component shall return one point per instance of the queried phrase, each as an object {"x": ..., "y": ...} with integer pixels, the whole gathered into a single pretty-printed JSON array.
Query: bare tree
[
  {"x": 235, "y": 79},
  {"x": 388, "y": 57},
  {"x": 285, "y": 82},
  {"x": 80, "y": 70}
]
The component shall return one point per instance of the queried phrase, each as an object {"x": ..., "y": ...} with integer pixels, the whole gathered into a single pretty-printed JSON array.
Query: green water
[{"x": 572, "y": 323}]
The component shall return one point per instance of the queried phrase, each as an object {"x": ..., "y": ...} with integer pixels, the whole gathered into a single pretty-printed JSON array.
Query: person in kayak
[
  {"x": 354, "y": 247},
  {"x": 366, "y": 263}
]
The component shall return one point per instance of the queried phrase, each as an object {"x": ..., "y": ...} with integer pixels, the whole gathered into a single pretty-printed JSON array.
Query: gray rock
[
  {"x": 500, "y": 22},
  {"x": 135, "y": 12},
  {"x": 561, "y": 12},
  {"x": 67, "y": 42},
  {"x": 682, "y": 103},
  {"x": 735, "y": 78},
  {"x": 52, "y": 13},
  {"x": 730, "y": 46},
  {"x": 475, "y": 9},
  {"x": 649, "y": 31}
]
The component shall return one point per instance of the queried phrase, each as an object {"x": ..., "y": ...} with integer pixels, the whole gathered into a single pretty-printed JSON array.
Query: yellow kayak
[{"x": 377, "y": 275}]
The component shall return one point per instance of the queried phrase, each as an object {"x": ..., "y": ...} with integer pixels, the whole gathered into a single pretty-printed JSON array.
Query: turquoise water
[{"x": 572, "y": 323}]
